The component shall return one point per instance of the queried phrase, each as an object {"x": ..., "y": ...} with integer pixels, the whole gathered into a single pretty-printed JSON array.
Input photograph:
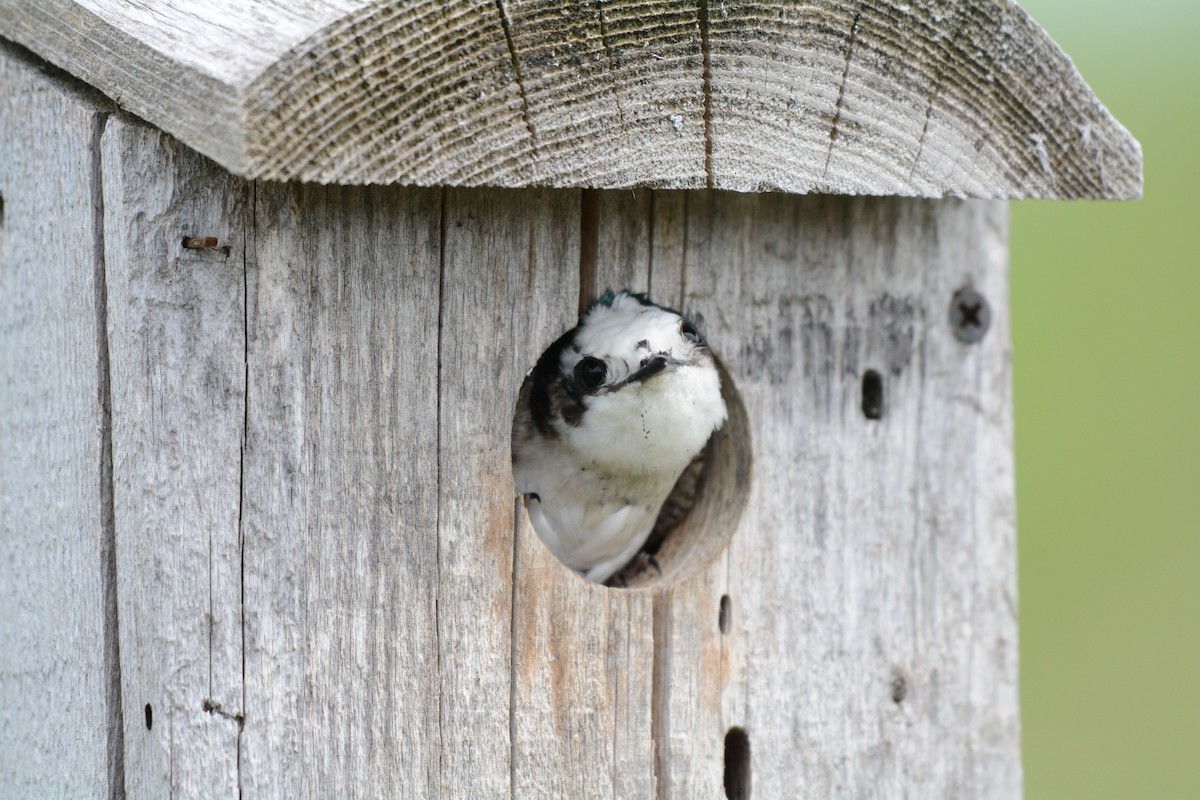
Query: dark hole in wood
[
  {"x": 737, "y": 764},
  {"x": 872, "y": 395},
  {"x": 149, "y": 717},
  {"x": 723, "y": 614},
  {"x": 899, "y": 687},
  {"x": 1, "y": 209}
]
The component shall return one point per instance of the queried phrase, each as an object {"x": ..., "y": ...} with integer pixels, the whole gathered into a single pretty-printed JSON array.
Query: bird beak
[{"x": 650, "y": 367}]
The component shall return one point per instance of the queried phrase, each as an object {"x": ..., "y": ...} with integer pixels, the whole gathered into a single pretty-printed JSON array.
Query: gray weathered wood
[
  {"x": 510, "y": 265},
  {"x": 873, "y": 554},
  {"x": 340, "y": 504},
  {"x": 59, "y": 681},
  {"x": 592, "y": 691},
  {"x": 403, "y": 631},
  {"x": 923, "y": 98},
  {"x": 176, "y": 323}
]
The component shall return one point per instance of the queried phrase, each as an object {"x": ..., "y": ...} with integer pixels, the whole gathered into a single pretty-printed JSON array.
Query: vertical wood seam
[
  {"x": 683, "y": 305},
  {"x": 251, "y": 240},
  {"x": 651, "y": 210},
  {"x": 437, "y": 522},
  {"x": 660, "y": 621},
  {"x": 512, "y": 654},
  {"x": 589, "y": 246},
  {"x": 616, "y": 663},
  {"x": 108, "y": 524}
]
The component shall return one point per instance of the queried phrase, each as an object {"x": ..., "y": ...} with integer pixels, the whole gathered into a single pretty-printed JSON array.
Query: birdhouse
[{"x": 272, "y": 276}]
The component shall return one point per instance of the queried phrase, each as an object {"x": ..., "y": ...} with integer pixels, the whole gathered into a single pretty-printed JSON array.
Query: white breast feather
[{"x": 600, "y": 485}]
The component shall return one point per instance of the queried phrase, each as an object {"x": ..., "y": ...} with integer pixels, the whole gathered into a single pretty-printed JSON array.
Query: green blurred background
[{"x": 1106, "y": 337}]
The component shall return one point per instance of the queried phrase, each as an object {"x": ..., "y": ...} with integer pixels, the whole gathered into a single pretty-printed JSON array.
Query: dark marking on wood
[
  {"x": 506, "y": 23},
  {"x": 837, "y": 113}
]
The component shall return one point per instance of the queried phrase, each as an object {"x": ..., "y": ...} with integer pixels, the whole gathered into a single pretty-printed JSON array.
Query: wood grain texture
[
  {"x": 172, "y": 60},
  {"x": 510, "y": 261},
  {"x": 325, "y": 585},
  {"x": 340, "y": 509},
  {"x": 59, "y": 678},
  {"x": 583, "y": 654},
  {"x": 922, "y": 98},
  {"x": 873, "y": 554},
  {"x": 177, "y": 334}
]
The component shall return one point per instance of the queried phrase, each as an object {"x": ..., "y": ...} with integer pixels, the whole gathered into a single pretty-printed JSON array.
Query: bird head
[{"x": 632, "y": 388}]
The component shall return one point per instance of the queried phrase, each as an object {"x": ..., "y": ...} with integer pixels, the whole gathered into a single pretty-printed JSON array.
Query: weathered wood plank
[
  {"x": 690, "y": 676},
  {"x": 176, "y": 327},
  {"x": 876, "y": 557},
  {"x": 911, "y": 97},
  {"x": 59, "y": 677},
  {"x": 180, "y": 65},
  {"x": 341, "y": 562},
  {"x": 510, "y": 267},
  {"x": 584, "y": 653},
  {"x": 686, "y": 679},
  {"x": 625, "y": 241}
]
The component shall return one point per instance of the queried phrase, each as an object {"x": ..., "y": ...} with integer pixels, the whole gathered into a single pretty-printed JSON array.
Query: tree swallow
[{"x": 605, "y": 423}]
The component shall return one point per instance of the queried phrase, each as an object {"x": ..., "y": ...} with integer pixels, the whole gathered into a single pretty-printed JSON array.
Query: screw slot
[{"x": 970, "y": 316}]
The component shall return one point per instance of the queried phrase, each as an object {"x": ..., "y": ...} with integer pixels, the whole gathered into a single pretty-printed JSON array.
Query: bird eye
[
  {"x": 591, "y": 372},
  {"x": 689, "y": 332}
]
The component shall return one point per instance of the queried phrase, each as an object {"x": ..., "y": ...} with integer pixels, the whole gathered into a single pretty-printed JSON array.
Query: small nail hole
[
  {"x": 149, "y": 717},
  {"x": 872, "y": 395},
  {"x": 899, "y": 687},
  {"x": 723, "y": 614},
  {"x": 737, "y": 764}
]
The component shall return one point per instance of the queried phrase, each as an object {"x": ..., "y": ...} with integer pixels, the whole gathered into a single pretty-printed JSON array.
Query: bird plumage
[{"x": 607, "y": 420}]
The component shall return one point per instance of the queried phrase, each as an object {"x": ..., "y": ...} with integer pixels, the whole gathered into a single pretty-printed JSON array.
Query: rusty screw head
[{"x": 970, "y": 316}]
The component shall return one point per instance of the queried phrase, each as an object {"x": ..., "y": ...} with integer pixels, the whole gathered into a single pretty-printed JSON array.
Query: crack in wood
[
  {"x": 437, "y": 522},
  {"x": 706, "y": 87},
  {"x": 113, "y": 699},
  {"x": 251, "y": 240},
  {"x": 841, "y": 98},
  {"x": 506, "y": 24},
  {"x": 659, "y": 727},
  {"x": 604, "y": 39},
  {"x": 512, "y": 653},
  {"x": 211, "y": 706},
  {"x": 938, "y": 81}
]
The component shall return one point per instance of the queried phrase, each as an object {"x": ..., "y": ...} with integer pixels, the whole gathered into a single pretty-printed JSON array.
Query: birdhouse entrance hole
[{"x": 697, "y": 521}]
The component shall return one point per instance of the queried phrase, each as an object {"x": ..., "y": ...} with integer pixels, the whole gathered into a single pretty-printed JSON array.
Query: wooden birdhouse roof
[{"x": 925, "y": 98}]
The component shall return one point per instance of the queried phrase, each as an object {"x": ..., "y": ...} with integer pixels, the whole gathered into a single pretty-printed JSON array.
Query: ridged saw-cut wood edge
[{"x": 925, "y": 98}]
